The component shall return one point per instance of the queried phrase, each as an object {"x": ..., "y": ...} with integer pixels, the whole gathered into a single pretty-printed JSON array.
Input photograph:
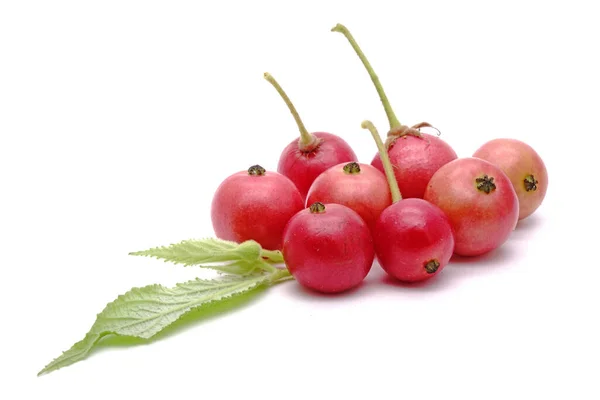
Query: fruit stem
[
  {"x": 394, "y": 123},
  {"x": 385, "y": 160},
  {"x": 307, "y": 140}
]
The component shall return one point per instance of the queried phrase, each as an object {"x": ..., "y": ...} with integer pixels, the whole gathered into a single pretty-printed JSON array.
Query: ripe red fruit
[
  {"x": 328, "y": 248},
  {"x": 523, "y": 166},
  {"x": 361, "y": 187},
  {"x": 413, "y": 238},
  {"x": 255, "y": 204},
  {"x": 307, "y": 157},
  {"x": 480, "y": 203},
  {"x": 415, "y": 160},
  {"x": 415, "y": 156}
]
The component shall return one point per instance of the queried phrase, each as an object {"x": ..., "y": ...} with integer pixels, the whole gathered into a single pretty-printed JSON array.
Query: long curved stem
[
  {"x": 385, "y": 160},
  {"x": 394, "y": 123},
  {"x": 306, "y": 139}
]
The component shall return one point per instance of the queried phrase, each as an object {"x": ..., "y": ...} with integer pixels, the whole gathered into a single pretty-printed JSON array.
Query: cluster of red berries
[{"x": 331, "y": 215}]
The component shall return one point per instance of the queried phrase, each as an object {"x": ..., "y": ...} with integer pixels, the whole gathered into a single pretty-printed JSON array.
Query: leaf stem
[
  {"x": 272, "y": 256},
  {"x": 307, "y": 141},
  {"x": 280, "y": 275},
  {"x": 394, "y": 123},
  {"x": 265, "y": 266},
  {"x": 385, "y": 160}
]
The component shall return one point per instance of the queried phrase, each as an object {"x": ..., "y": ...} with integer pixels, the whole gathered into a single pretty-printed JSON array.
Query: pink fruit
[
  {"x": 480, "y": 202},
  {"x": 523, "y": 166},
  {"x": 328, "y": 248},
  {"x": 413, "y": 238},
  {"x": 359, "y": 186},
  {"x": 307, "y": 157},
  {"x": 415, "y": 156},
  {"x": 255, "y": 204}
]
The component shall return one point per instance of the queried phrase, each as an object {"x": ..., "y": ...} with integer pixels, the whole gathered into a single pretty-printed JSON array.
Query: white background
[{"x": 118, "y": 119}]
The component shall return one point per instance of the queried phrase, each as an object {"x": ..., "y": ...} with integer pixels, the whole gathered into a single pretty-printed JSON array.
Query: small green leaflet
[
  {"x": 143, "y": 312},
  {"x": 222, "y": 255}
]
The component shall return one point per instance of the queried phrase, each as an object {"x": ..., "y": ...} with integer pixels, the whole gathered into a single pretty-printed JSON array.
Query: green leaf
[
  {"x": 211, "y": 250},
  {"x": 222, "y": 255},
  {"x": 144, "y": 312}
]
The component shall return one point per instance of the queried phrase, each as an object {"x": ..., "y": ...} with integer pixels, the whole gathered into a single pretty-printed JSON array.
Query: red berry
[
  {"x": 303, "y": 166},
  {"x": 307, "y": 157},
  {"x": 523, "y": 166},
  {"x": 480, "y": 203},
  {"x": 358, "y": 186},
  {"x": 415, "y": 160},
  {"x": 255, "y": 204},
  {"x": 328, "y": 248},
  {"x": 413, "y": 240}
]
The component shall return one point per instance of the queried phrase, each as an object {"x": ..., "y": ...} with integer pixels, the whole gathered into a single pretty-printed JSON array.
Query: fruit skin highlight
[
  {"x": 255, "y": 204},
  {"x": 328, "y": 248},
  {"x": 413, "y": 238},
  {"x": 416, "y": 156},
  {"x": 361, "y": 187},
  {"x": 307, "y": 157},
  {"x": 480, "y": 202},
  {"x": 523, "y": 166}
]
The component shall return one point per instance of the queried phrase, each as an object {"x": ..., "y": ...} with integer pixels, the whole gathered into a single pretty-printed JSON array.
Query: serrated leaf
[
  {"x": 143, "y": 312},
  {"x": 233, "y": 257}
]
